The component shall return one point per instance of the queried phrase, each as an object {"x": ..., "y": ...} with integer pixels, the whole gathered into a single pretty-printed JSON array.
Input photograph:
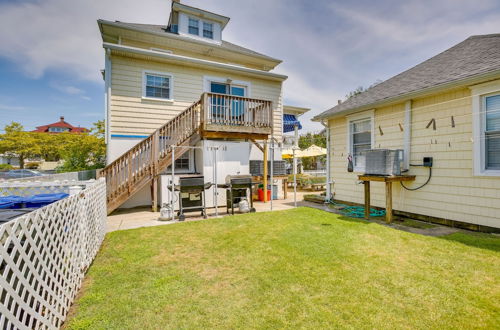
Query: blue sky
[{"x": 51, "y": 54}]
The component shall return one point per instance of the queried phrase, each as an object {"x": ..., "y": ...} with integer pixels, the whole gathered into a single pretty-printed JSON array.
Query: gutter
[
  {"x": 194, "y": 61},
  {"x": 479, "y": 78},
  {"x": 107, "y": 100},
  {"x": 328, "y": 180}
]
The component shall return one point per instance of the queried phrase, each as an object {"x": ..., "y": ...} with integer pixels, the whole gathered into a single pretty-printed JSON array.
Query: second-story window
[
  {"x": 158, "y": 86},
  {"x": 194, "y": 26},
  {"x": 208, "y": 30}
]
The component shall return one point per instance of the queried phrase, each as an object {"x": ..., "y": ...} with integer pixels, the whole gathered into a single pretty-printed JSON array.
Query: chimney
[
  {"x": 62, "y": 118},
  {"x": 339, "y": 101}
]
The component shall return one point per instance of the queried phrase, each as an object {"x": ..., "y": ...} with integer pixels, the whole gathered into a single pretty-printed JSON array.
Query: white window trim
[
  {"x": 370, "y": 114},
  {"x": 479, "y": 92},
  {"x": 191, "y": 165},
  {"x": 209, "y": 79},
  {"x": 165, "y": 74}
]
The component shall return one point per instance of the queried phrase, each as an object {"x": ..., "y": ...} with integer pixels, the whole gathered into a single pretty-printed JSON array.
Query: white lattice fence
[{"x": 44, "y": 255}]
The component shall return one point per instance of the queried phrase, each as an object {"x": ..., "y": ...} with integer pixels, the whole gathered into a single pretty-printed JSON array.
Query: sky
[{"x": 51, "y": 51}]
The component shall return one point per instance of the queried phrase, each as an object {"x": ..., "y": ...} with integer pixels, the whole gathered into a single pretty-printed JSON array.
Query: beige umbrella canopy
[{"x": 312, "y": 151}]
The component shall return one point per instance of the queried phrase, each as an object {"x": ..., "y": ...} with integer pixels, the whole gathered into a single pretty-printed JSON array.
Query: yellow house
[
  {"x": 447, "y": 108},
  {"x": 182, "y": 85}
]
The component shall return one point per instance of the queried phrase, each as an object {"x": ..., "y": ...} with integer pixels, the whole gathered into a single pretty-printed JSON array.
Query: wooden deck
[{"x": 215, "y": 116}]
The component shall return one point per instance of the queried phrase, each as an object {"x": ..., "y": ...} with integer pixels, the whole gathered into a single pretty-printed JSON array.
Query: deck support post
[
  {"x": 388, "y": 201},
  {"x": 154, "y": 194},
  {"x": 367, "y": 199},
  {"x": 264, "y": 178}
]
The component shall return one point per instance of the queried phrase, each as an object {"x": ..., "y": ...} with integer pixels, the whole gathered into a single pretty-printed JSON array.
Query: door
[{"x": 224, "y": 111}]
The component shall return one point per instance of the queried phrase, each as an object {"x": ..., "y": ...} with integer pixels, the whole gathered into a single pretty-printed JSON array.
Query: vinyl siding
[
  {"x": 453, "y": 192},
  {"x": 130, "y": 114}
]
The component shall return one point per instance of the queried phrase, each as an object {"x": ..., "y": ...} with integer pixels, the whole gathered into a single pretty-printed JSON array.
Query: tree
[
  {"x": 84, "y": 151},
  {"x": 18, "y": 143}
]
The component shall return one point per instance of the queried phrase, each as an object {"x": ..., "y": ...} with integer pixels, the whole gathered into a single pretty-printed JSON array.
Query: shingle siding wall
[
  {"x": 453, "y": 192},
  {"x": 130, "y": 114}
]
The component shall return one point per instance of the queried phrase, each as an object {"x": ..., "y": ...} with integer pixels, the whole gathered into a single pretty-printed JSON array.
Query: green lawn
[{"x": 298, "y": 268}]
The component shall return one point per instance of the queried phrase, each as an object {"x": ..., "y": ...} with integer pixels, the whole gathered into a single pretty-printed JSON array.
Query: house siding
[
  {"x": 453, "y": 192},
  {"x": 133, "y": 115}
]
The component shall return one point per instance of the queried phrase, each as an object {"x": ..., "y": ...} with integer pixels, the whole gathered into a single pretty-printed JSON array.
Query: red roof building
[{"x": 60, "y": 127}]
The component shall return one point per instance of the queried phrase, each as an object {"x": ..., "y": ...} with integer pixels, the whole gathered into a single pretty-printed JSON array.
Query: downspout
[
  {"x": 107, "y": 100},
  {"x": 328, "y": 176},
  {"x": 407, "y": 135}
]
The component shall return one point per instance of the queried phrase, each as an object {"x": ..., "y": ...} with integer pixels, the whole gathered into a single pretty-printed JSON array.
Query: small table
[{"x": 388, "y": 191}]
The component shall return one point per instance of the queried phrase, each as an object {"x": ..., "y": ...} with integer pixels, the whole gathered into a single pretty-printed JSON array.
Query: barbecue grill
[
  {"x": 192, "y": 195},
  {"x": 238, "y": 187}
]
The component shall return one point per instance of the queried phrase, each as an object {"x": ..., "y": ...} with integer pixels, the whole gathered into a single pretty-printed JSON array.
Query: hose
[
  {"x": 416, "y": 188},
  {"x": 355, "y": 211}
]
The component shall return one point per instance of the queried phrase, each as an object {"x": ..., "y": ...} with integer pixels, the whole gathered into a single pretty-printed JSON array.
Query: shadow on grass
[{"x": 479, "y": 240}]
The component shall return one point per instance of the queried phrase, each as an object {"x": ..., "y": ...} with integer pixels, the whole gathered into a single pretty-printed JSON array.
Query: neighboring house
[
  {"x": 448, "y": 108},
  {"x": 192, "y": 88},
  {"x": 60, "y": 127}
]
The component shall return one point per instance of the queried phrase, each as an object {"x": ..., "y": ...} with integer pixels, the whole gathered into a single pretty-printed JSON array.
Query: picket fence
[{"x": 44, "y": 255}]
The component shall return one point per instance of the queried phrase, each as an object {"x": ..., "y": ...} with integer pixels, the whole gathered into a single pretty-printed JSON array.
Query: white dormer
[
  {"x": 199, "y": 28},
  {"x": 196, "y": 23}
]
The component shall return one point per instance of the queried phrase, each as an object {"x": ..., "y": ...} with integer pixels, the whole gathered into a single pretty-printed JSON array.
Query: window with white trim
[
  {"x": 184, "y": 163},
  {"x": 491, "y": 129},
  {"x": 208, "y": 30},
  {"x": 360, "y": 138},
  {"x": 157, "y": 86},
  {"x": 193, "y": 27},
  {"x": 58, "y": 129}
]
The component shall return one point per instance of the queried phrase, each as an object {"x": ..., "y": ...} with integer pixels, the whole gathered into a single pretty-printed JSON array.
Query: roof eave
[
  {"x": 472, "y": 80},
  {"x": 102, "y": 22},
  {"x": 195, "y": 61}
]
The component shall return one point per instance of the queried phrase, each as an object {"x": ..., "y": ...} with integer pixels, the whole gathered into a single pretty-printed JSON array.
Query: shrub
[{"x": 5, "y": 167}]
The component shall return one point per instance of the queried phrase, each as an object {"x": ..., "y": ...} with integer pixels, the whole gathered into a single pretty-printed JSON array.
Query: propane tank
[
  {"x": 165, "y": 212},
  {"x": 243, "y": 206}
]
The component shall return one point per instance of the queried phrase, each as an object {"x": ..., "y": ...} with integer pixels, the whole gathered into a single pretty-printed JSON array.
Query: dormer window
[
  {"x": 194, "y": 26},
  {"x": 208, "y": 30}
]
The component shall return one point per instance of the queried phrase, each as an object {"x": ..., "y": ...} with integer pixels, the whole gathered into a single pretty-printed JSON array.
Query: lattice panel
[
  {"x": 44, "y": 255},
  {"x": 33, "y": 188}
]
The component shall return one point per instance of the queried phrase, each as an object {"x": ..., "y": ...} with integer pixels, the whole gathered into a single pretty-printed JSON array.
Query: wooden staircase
[
  {"x": 214, "y": 116},
  {"x": 141, "y": 165}
]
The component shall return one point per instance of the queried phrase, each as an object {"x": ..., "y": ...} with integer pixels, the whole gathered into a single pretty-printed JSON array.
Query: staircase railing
[{"x": 139, "y": 165}]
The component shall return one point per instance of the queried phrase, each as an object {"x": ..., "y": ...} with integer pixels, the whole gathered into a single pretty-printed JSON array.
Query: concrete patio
[{"x": 143, "y": 217}]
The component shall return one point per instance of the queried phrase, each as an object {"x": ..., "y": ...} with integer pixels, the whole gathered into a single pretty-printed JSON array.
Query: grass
[{"x": 297, "y": 268}]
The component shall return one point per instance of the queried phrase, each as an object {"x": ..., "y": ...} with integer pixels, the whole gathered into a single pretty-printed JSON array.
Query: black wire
[{"x": 426, "y": 182}]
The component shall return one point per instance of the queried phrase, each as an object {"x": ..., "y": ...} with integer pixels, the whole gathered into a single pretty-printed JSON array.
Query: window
[
  {"x": 486, "y": 128},
  {"x": 208, "y": 30},
  {"x": 157, "y": 86},
  {"x": 360, "y": 138},
  {"x": 184, "y": 163},
  {"x": 58, "y": 129},
  {"x": 193, "y": 27},
  {"x": 492, "y": 132}
]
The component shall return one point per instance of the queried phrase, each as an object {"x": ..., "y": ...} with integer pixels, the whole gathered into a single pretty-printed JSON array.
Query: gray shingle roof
[
  {"x": 472, "y": 57},
  {"x": 163, "y": 29}
]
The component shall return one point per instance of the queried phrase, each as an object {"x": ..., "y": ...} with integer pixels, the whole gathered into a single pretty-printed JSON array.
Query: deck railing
[{"x": 234, "y": 113}]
